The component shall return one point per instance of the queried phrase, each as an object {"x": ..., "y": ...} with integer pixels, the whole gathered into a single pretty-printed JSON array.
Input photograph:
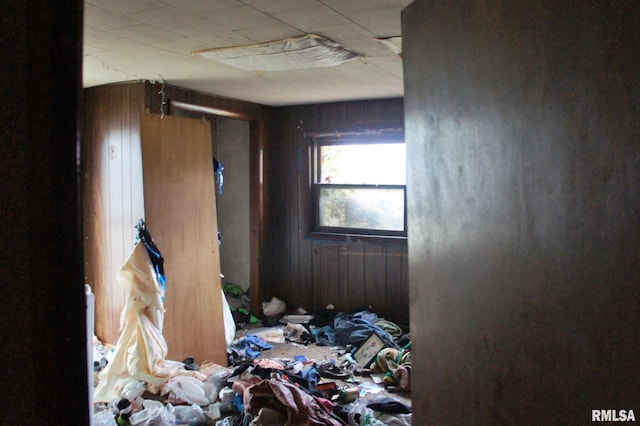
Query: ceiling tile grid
[{"x": 155, "y": 39}]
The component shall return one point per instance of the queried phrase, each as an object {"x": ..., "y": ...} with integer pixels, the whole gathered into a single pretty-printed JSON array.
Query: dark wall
[
  {"x": 313, "y": 273},
  {"x": 43, "y": 330},
  {"x": 524, "y": 233}
]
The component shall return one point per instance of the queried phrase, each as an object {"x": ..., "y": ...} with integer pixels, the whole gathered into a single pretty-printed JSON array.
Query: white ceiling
[{"x": 154, "y": 39}]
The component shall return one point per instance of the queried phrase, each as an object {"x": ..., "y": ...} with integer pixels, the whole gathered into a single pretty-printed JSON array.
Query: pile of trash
[
  {"x": 138, "y": 385},
  {"x": 265, "y": 391},
  {"x": 368, "y": 355}
]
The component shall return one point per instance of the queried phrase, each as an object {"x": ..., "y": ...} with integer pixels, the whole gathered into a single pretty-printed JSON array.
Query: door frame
[{"x": 257, "y": 134}]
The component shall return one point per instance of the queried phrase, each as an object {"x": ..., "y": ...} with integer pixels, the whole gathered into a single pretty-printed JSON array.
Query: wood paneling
[
  {"x": 180, "y": 211},
  {"x": 284, "y": 262},
  {"x": 112, "y": 193},
  {"x": 258, "y": 117},
  {"x": 313, "y": 273},
  {"x": 523, "y": 196},
  {"x": 112, "y": 185}
]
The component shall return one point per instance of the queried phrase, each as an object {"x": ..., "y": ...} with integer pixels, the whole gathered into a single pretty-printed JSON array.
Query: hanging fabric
[
  {"x": 141, "y": 350},
  {"x": 154, "y": 254}
]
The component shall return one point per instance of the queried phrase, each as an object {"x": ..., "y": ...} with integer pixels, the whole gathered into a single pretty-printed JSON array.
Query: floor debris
[{"x": 303, "y": 373}]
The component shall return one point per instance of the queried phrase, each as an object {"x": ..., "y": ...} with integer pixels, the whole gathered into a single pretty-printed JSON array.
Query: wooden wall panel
[
  {"x": 180, "y": 211},
  {"x": 112, "y": 184},
  {"x": 350, "y": 275},
  {"x": 375, "y": 278},
  {"x": 112, "y": 193},
  {"x": 355, "y": 292},
  {"x": 524, "y": 199},
  {"x": 158, "y": 100}
]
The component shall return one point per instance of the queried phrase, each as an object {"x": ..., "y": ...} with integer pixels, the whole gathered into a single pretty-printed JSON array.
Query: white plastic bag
[
  {"x": 154, "y": 413},
  {"x": 104, "y": 418},
  {"x": 274, "y": 307},
  {"x": 189, "y": 390},
  {"x": 189, "y": 415}
]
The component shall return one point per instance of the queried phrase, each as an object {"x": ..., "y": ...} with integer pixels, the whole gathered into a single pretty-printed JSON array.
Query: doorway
[{"x": 231, "y": 147}]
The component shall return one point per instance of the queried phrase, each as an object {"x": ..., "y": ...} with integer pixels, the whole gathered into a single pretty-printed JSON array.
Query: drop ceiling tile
[
  {"x": 272, "y": 6},
  {"x": 266, "y": 33},
  {"x": 106, "y": 20},
  {"x": 146, "y": 34},
  {"x": 197, "y": 6},
  {"x": 170, "y": 18},
  {"x": 391, "y": 65},
  {"x": 213, "y": 36},
  {"x": 124, "y": 47},
  {"x": 350, "y": 6},
  {"x": 380, "y": 22},
  {"x": 126, "y": 7},
  {"x": 312, "y": 19},
  {"x": 183, "y": 45},
  {"x": 239, "y": 18},
  {"x": 91, "y": 36}
]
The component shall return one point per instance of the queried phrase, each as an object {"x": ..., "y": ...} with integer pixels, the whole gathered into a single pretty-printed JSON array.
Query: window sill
[{"x": 358, "y": 238}]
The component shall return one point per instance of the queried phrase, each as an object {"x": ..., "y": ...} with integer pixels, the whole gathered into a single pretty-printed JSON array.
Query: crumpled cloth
[
  {"x": 297, "y": 406},
  {"x": 397, "y": 363},
  {"x": 141, "y": 348},
  {"x": 356, "y": 328}
]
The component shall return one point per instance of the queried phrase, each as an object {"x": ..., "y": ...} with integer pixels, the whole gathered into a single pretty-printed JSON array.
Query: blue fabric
[
  {"x": 311, "y": 374},
  {"x": 354, "y": 329},
  {"x": 325, "y": 336},
  {"x": 257, "y": 341},
  {"x": 252, "y": 342}
]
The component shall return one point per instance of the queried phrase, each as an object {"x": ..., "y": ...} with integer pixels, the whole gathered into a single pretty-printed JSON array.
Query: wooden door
[{"x": 180, "y": 212}]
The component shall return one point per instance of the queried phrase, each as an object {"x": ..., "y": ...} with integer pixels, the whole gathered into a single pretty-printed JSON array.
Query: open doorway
[{"x": 231, "y": 147}]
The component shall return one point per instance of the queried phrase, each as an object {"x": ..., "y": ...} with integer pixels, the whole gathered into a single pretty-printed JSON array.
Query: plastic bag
[
  {"x": 218, "y": 378},
  {"x": 189, "y": 415},
  {"x": 189, "y": 390},
  {"x": 360, "y": 415},
  {"x": 104, "y": 418},
  {"x": 133, "y": 390},
  {"x": 274, "y": 307},
  {"x": 154, "y": 413}
]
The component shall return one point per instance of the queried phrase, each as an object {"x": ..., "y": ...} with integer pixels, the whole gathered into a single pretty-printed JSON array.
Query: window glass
[
  {"x": 361, "y": 208},
  {"x": 378, "y": 163},
  {"x": 359, "y": 186}
]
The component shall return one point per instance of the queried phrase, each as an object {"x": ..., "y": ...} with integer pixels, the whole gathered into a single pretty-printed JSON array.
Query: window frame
[{"x": 346, "y": 233}]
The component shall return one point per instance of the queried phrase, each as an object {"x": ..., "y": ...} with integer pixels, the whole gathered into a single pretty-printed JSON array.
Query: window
[{"x": 359, "y": 185}]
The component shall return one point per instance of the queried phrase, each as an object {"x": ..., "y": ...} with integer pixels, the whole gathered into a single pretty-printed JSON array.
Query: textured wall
[{"x": 524, "y": 225}]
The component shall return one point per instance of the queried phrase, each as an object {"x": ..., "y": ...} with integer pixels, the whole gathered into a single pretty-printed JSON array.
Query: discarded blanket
[
  {"x": 297, "y": 406},
  {"x": 353, "y": 329},
  {"x": 141, "y": 349}
]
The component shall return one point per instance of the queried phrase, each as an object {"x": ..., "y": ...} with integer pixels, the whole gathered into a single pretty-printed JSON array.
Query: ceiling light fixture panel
[{"x": 308, "y": 51}]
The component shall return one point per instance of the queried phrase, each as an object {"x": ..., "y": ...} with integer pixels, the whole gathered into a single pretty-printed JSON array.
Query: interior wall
[
  {"x": 522, "y": 131},
  {"x": 113, "y": 200},
  {"x": 231, "y": 148},
  {"x": 312, "y": 273},
  {"x": 42, "y": 300}
]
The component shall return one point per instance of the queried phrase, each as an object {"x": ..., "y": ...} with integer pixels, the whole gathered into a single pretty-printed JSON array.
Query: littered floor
[
  {"x": 366, "y": 385},
  {"x": 324, "y": 353}
]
